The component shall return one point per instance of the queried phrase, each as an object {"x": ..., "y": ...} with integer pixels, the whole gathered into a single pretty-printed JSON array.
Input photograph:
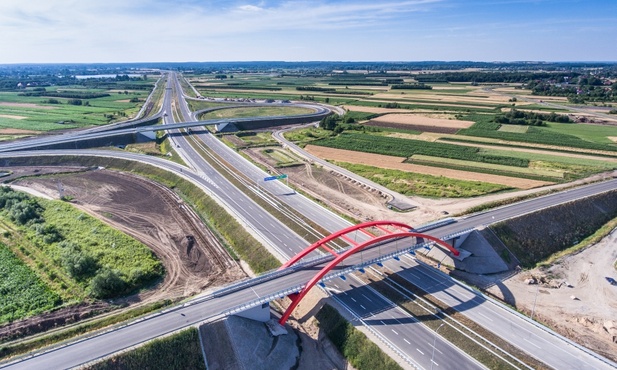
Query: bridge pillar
[{"x": 259, "y": 313}]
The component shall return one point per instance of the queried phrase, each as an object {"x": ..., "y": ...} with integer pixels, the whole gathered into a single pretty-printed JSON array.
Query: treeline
[
  {"x": 517, "y": 117},
  {"x": 493, "y": 77},
  {"x": 416, "y": 86},
  {"x": 587, "y": 89},
  {"x": 66, "y": 94},
  {"x": 315, "y": 88}
]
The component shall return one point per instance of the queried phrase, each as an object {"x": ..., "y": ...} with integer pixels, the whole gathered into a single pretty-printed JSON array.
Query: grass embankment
[
  {"x": 361, "y": 353},
  {"x": 563, "y": 228},
  {"x": 178, "y": 351},
  {"x": 226, "y": 227}
]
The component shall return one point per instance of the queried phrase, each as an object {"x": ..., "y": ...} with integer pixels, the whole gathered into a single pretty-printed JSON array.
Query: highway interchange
[{"x": 411, "y": 340}]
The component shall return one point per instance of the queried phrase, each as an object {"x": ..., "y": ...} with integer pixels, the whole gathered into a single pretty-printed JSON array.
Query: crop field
[
  {"x": 519, "y": 129},
  {"x": 466, "y": 143},
  {"x": 419, "y": 123},
  {"x": 407, "y": 147},
  {"x": 47, "y": 113},
  {"x": 494, "y": 168},
  {"x": 594, "y": 133},
  {"x": 23, "y": 292},
  {"x": 428, "y": 175}
]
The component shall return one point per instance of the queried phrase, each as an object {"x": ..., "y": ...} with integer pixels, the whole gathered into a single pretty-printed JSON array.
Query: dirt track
[{"x": 157, "y": 217}]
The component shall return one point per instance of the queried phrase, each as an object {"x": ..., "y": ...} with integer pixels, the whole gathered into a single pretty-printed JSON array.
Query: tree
[
  {"x": 78, "y": 264},
  {"x": 107, "y": 283},
  {"x": 328, "y": 123}
]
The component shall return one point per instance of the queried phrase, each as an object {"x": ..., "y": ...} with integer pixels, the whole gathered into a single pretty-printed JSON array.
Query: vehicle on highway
[{"x": 611, "y": 280}]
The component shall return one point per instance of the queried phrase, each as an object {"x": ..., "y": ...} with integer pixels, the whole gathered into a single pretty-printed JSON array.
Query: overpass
[
  {"x": 100, "y": 136},
  {"x": 232, "y": 299}
]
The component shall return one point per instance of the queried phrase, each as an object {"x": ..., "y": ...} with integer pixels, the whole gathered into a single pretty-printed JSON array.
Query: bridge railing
[{"x": 321, "y": 259}]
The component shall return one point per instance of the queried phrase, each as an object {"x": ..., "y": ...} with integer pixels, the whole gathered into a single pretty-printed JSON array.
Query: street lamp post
[{"x": 434, "y": 343}]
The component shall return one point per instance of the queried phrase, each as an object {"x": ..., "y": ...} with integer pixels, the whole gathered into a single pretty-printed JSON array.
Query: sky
[{"x": 108, "y": 31}]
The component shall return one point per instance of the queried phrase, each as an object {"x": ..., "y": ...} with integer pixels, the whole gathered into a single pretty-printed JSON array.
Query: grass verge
[
  {"x": 361, "y": 353},
  {"x": 177, "y": 351},
  {"x": 9, "y": 350}
]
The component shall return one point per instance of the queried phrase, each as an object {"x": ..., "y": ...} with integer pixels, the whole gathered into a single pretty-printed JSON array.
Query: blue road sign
[{"x": 275, "y": 177}]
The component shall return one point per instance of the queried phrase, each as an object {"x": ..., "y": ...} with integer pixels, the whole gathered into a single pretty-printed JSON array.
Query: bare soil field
[
  {"x": 16, "y": 131},
  {"x": 420, "y": 123},
  {"x": 155, "y": 216},
  {"x": 25, "y": 105},
  {"x": 193, "y": 258},
  {"x": 11, "y": 116},
  {"x": 388, "y": 99},
  {"x": 572, "y": 296},
  {"x": 396, "y": 163},
  {"x": 414, "y": 119}
]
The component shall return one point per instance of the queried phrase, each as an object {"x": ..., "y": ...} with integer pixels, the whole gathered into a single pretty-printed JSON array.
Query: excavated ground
[{"x": 193, "y": 258}]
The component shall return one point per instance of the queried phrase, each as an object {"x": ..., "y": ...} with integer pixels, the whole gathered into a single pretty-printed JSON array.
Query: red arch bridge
[{"x": 381, "y": 238}]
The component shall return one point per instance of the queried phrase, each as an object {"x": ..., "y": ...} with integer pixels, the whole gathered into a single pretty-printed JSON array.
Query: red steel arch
[{"x": 382, "y": 225}]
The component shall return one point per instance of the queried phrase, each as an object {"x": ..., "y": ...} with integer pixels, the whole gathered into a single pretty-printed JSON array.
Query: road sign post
[{"x": 278, "y": 177}]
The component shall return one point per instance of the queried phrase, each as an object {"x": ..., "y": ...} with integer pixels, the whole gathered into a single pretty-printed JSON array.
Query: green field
[
  {"x": 255, "y": 112},
  {"x": 519, "y": 129},
  {"x": 424, "y": 159},
  {"x": 562, "y": 135},
  {"x": 23, "y": 292},
  {"x": 594, "y": 133},
  {"x": 409, "y": 183},
  {"x": 407, "y": 147},
  {"x": 36, "y": 113},
  {"x": 281, "y": 157}
]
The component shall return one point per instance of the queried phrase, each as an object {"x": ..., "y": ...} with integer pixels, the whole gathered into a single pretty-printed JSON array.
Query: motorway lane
[
  {"x": 354, "y": 259},
  {"x": 511, "y": 327},
  {"x": 410, "y": 337},
  {"x": 176, "y": 169},
  {"x": 460, "y": 298}
]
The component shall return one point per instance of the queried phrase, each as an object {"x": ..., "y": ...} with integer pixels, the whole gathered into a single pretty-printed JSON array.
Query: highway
[{"x": 400, "y": 334}]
